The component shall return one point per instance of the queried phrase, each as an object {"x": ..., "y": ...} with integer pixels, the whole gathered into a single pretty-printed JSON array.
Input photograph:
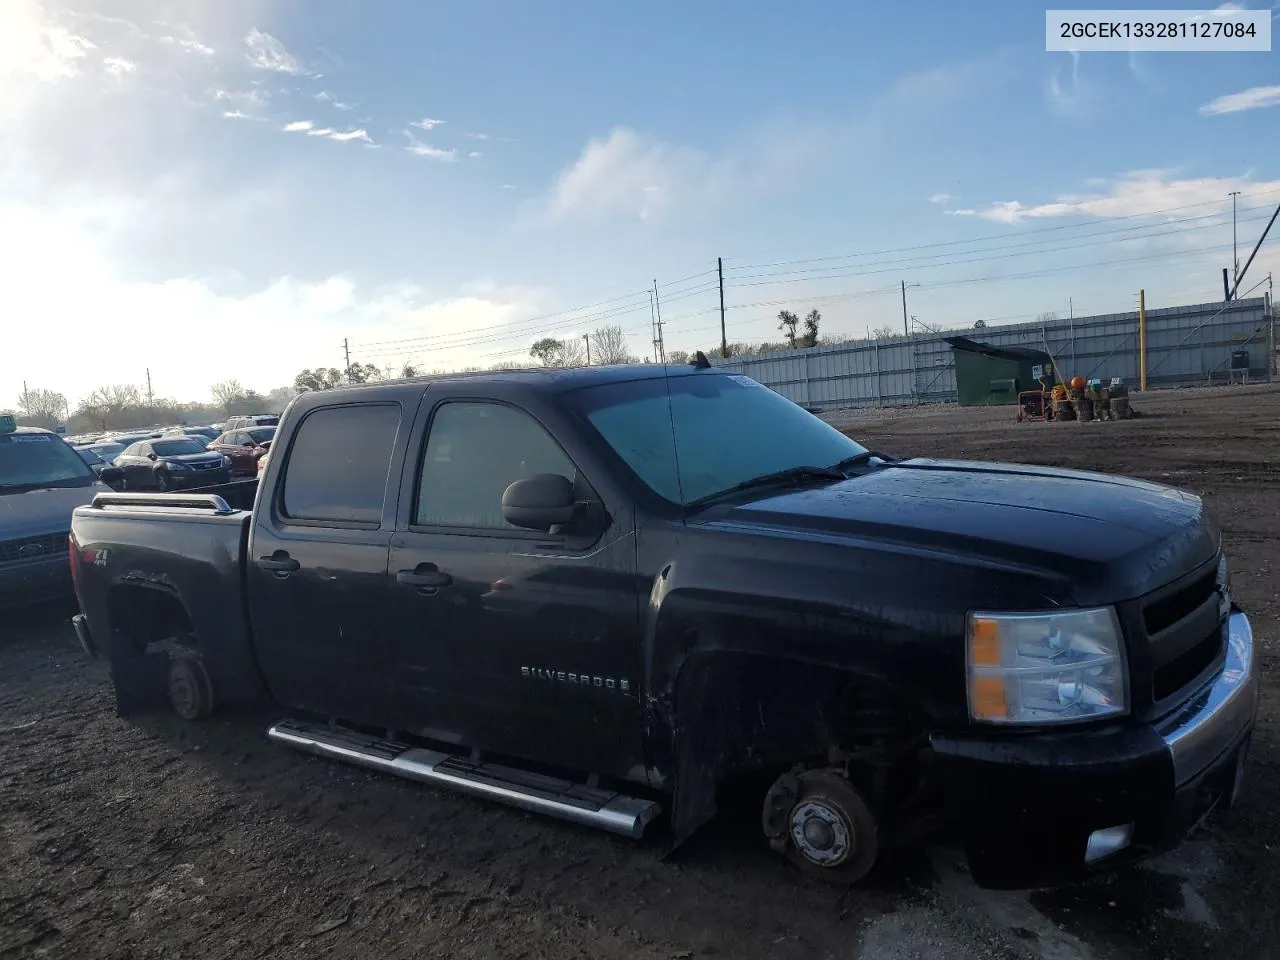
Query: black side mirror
[
  {"x": 111, "y": 476},
  {"x": 151, "y": 456},
  {"x": 539, "y": 502}
]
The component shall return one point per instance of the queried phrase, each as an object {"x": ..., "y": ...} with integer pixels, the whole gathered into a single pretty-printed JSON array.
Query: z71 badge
[{"x": 576, "y": 679}]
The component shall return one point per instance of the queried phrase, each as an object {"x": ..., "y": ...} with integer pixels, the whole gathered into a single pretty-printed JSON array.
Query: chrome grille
[{"x": 32, "y": 549}]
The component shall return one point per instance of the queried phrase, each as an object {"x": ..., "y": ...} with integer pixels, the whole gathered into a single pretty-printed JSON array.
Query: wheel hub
[{"x": 821, "y": 833}]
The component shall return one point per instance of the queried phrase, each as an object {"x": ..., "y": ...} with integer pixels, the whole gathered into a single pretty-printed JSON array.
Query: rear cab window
[{"x": 337, "y": 465}]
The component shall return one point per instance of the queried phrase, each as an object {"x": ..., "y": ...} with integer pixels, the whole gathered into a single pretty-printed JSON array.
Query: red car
[{"x": 244, "y": 447}]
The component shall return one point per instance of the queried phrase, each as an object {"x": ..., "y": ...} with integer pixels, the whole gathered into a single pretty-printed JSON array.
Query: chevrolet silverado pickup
[{"x": 613, "y": 594}]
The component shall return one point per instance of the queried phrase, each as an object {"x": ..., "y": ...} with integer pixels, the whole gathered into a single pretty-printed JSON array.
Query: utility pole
[
  {"x": 26, "y": 401},
  {"x": 1235, "y": 257},
  {"x": 586, "y": 338},
  {"x": 724, "y": 339},
  {"x": 906, "y": 332},
  {"x": 657, "y": 306},
  {"x": 150, "y": 397},
  {"x": 1142, "y": 340},
  {"x": 1071, "y": 310},
  {"x": 346, "y": 352}
]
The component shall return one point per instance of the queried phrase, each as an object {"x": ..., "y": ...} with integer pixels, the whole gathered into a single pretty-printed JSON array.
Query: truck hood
[
  {"x": 1115, "y": 532},
  {"x": 39, "y": 512}
]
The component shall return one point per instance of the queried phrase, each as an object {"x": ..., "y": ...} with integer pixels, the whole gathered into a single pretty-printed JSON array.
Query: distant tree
[
  {"x": 609, "y": 345},
  {"x": 107, "y": 407},
  {"x": 550, "y": 352},
  {"x": 787, "y": 323},
  {"x": 249, "y": 401},
  {"x": 883, "y": 333},
  {"x": 364, "y": 373},
  {"x": 226, "y": 393},
  {"x": 811, "y": 321},
  {"x": 278, "y": 399},
  {"x": 321, "y": 378},
  {"x": 42, "y": 407},
  {"x": 408, "y": 371},
  {"x": 980, "y": 325},
  {"x": 1049, "y": 316},
  {"x": 678, "y": 356}
]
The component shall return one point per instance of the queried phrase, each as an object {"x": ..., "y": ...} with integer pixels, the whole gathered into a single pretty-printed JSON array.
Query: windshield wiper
[
  {"x": 860, "y": 458},
  {"x": 792, "y": 476}
]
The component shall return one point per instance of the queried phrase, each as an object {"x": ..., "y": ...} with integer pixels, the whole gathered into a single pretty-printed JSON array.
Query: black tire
[
  {"x": 843, "y": 819},
  {"x": 190, "y": 690}
]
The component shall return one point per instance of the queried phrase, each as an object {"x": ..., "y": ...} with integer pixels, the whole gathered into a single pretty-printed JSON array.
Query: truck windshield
[
  {"x": 31, "y": 461},
  {"x": 727, "y": 430}
]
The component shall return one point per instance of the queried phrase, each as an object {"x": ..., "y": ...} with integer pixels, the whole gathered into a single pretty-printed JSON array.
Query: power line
[{"x": 1012, "y": 233}]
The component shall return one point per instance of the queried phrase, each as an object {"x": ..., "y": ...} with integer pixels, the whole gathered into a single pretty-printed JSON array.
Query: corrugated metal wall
[{"x": 1185, "y": 346}]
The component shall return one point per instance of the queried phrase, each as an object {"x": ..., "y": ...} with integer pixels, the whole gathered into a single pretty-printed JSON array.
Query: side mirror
[
  {"x": 111, "y": 476},
  {"x": 248, "y": 443},
  {"x": 151, "y": 456},
  {"x": 539, "y": 502}
]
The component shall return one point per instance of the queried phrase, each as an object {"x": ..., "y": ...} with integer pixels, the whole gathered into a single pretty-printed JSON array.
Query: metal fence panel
[{"x": 1185, "y": 346}]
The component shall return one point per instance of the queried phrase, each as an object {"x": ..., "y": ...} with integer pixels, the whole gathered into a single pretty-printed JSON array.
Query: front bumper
[
  {"x": 22, "y": 584},
  {"x": 1044, "y": 809},
  {"x": 186, "y": 480}
]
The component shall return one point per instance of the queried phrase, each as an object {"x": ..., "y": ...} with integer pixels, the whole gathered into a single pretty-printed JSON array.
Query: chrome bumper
[{"x": 1221, "y": 715}]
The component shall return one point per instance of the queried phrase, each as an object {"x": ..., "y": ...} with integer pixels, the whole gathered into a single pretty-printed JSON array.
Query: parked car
[
  {"x": 126, "y": 439},
  {"x": 244, "y": 448},
  {"x": 42, "y": 479},
  {"x": 207, "y": 433},
  {"x": 172, "y": 464},
  {"x": 256, "y": 420},
  {"x": 642, "y": 586},
  {"x": 106, "y": 451}
]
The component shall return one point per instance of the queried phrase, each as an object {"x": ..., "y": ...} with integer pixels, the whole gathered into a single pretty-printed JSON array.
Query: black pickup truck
[{"x": 611, "y": 593}]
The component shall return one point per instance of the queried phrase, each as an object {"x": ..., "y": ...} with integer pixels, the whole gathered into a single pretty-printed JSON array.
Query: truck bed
[{"x": 158, "y": 569}]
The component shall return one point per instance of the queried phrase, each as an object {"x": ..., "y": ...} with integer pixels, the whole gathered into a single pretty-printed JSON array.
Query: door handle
[
  {"x": 278, "y": 562},
  {"x": 424, "y": 578}
]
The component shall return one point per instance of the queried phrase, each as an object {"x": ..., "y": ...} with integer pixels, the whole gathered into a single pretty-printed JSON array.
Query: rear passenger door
[
  {"x": 513, "y": 641},
  {"x": 317, "y": 566}
]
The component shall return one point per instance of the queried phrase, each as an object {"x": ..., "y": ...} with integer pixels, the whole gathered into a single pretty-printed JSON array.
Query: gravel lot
[{"x": 156, "y": 838}]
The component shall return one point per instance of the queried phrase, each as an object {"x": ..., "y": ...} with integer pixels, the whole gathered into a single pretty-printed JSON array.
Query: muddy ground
[{"x": 154, "y": 838}]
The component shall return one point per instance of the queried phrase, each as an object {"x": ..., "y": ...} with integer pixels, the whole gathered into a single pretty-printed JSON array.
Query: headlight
[
  {"x": 1052, "y": 667},
  {"x": 226, "y": 462},
  {"x": 176, "y": 466}
]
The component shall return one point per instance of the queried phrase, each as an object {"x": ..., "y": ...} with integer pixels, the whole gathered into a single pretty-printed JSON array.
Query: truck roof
[{"x": 552, "y": 379}]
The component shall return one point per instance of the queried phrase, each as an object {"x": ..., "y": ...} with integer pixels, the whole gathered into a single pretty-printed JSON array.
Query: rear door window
[{"x": 338, "y": 462}]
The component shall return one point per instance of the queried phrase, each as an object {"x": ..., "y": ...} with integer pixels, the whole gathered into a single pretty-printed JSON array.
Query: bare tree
[
  {"x": 108, "y": 406},
  {"x": 883, "y": 333},
  {"x": 551, "y": 352},
  {"x": 45, "y": 407},
  {"x": 226, "y": 393},
  {"x": 811, "y": 321},
  {"x": 678, "y": 356},
  {"x": 1049, "y": 316},
  {"x": 408, "y": 371},
  {"x": 609, "y": 345},
  {"x": 278, "y": 399},
  {"x": 787, "y": 323}
]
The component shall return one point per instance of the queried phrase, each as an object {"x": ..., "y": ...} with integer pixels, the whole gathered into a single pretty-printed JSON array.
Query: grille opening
[
  {"x": 1173, "y": 676},
  {"x": 33, "y": 548},
  {"x": 1165, "y": 613}
]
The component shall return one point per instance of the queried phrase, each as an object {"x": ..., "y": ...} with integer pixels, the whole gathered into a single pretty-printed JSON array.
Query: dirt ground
[{"x": 155, "y": 838}]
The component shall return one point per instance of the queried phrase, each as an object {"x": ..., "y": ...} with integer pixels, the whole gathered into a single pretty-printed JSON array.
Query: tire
[
  {"x": 190, "y": 690},
  {"x": 832, "y": 833}
]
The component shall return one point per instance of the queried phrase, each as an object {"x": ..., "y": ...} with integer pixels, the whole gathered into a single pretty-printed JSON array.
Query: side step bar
[{"x": 563, "y": 799}]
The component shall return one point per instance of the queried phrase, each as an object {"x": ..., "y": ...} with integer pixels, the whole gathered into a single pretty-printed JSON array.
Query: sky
[{"x": 230, "y": 191}]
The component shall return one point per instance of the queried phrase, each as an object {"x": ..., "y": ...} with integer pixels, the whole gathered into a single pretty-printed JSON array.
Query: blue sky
[{"x": 229, "y": 190}]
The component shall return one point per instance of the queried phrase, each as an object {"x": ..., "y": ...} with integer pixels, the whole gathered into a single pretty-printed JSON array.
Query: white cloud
[
  {"x": 474, "y": 155},
  {"x": 320, "y": 132},
  {"x": 240, "y": 115},
  {"x": 940, "y": 198},
  {"x": 1069, "y": 95},
  {"x": 268, "y": 53},
  {"x": 295, "y": 322},
  {"x": 1231, "y": 6},
  {"x": 434, "y": 153},
  {"x": 479, "y": 136},
  {"x": 508, "y": 186},
  {"x": 324, "y": 96},
  {"x": 189, "y": 45},
  {"x": 31, "y": 45},
  {"x": 118, "y": 66},
  {"x": 427, "y": 123},
  {"x": 254, "y": 97},
  {"x": 1252, "y": 99},
  {"x": 350, "y": 135},
  {"x": 630, "y": 176},
  {"x": 1139, "y": 193},
  {"x": 298, "y": 126}
]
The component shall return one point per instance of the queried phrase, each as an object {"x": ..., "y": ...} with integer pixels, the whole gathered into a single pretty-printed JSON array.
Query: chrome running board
[{"x": 537, "y": 793}]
